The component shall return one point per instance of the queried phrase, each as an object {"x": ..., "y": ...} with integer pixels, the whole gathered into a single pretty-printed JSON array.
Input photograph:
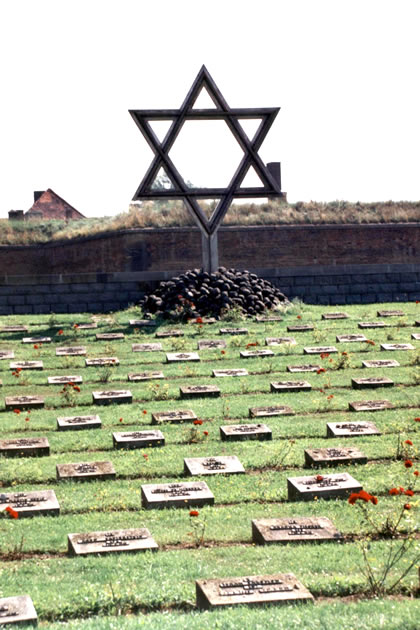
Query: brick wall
[{"x": 327, "y": 264}]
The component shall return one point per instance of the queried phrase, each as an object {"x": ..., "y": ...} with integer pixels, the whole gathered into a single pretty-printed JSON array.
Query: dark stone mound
[{"x": 198, "y": 293}]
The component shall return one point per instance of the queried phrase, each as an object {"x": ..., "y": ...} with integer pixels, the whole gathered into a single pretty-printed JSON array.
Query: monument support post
[{"x": 210, "y": 251}]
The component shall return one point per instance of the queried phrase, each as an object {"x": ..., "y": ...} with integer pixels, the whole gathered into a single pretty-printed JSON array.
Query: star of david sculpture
[{"x": 179, "y": 189}]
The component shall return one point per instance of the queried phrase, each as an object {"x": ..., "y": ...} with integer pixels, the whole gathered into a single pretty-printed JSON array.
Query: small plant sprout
[{"x": 198, "y": 525}]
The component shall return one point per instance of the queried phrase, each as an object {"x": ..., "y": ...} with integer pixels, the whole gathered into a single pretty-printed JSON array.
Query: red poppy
[
  {"x": 144, "y": 411},
  {"x": 205, "y": 432},
  {"x": 319, "y": 477},
  {"x": 330, "y": 396},
  {"x": 12, "y": 512},
  {"x": 320, "y": 370},
  {"x": 407, "y": 506},
  {"x": 26, "y": 419},
  {"x": 409, "y": 442},
  {"x": 324, "y": 355},
  {"x": 76, "y": 388},
  {"x": 223, "y": 352},
  {"x": 364, "y": 496},
  {"x": 416, "y": 419},
  {"x": 16, "y": 411},
  {"x": 408, "y": 463},
  {"x": 199, "y": 422},
  {"x": 374, "y": 500},
  {"x": 394, "y": 491},
  {"x": 199, "y": 320},
  {"x": 416, "y": 472},
  {"x": 299, "y": 316},
  {"x": 370, "y": 342},
  {"x": 344, "y": 354},
  {"x": 60, "y": 332},
  {"x": 145, "y": 455},
  {"x": 36, "y": 346},
  {"x": 194, "y": 512},
  {"x": 121, "y": 419},
  {"x": 321, "y": 391},
  {"x": 409, "y": 493}
]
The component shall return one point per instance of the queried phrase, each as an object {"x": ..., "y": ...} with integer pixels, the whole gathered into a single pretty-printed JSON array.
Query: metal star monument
[{"x": 180, "y": 190}]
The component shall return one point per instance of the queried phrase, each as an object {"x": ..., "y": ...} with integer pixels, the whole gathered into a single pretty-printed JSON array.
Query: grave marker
[
  {"x": 236, "y": 432},
  {"x": 146, "y": 347},
  {"x": 145, "y": 376},
  {"x": 24, "y": 402},
  {"x": 272, "y": 410},
  {"x": 17, "y": 610},
  {"x": 367, "y": 325},
  {"x": 233, "y": 331},
  {"x": 334, "y": 486},
  {"x": 396, "y": 346},
  {"x": 211, "y": 344},
  {"x": 280, "y": 341},
  {"x": 394, "y": 313},
  {"x": 290, "y": 386},
  {"x": 85, "y": 471},
  {"x": 320, "y": 350},
  {"x": 224, "y": 464},
  {"x": 111, "y": 542},
  {"x": 120, "y": 396},
  {"x": 280, "y": 588},
  {"x": 350, "y": 429},
  {"x": 300, "y": 328},
  {"x": 184, "y": 415},
  {"x": 71, "y": 351},
  {"x": 169, "y": 333},
  {"x": 170, "y": 495},
  {"x": 380, "y": 363},
  {"x": 109, "y": 336},
  {"x": 138, "y": 439},
  {"x": 14, "y": 329},
  {"x": 142, "y": 323},
  {"x": 7, "y": 354},
  {"x": 415, "y": 336},
  {"x": 77, "y": 423},
  {"x": 270, "y": 318},
  {"x": 303, "y": 368},
  {"x": 21, "y": 447},
  {"x": 102, "y": 362},
  {"x": 87, "y": 326},
  {"x": 26, "y": 365},
  {"x": 198, "y": 391},
  {"x": 37, "y": 503},
  {"x": 328, "y": 316},
  {"x": 64, "y": 380},
  {"x": 370, "y": 405},
  {"x": 250, "y": 354},
  {"x": 232, "y": 372},
  {"x": 174, "y": 357},
  {"x": 369, "y": 383},
  {"x": 36, "y": 340},
  {"x": 299, "y": 529},
  {"x": 350, "y": 338},
  {"x": 333, "y": 456}
]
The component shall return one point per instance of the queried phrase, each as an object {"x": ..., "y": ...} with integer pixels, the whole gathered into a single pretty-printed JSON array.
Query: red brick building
[{"x": 48, "y": 205}]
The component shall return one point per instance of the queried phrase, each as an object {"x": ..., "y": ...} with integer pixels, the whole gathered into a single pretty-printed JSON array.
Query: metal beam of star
[{"x": 232, "y": 116}]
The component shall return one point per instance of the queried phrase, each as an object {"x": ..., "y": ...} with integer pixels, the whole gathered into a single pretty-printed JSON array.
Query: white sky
[{"x": 344, "y": 72}]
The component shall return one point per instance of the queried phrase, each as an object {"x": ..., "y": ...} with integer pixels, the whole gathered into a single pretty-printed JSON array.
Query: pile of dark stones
[{"x": 199, "y": 293}]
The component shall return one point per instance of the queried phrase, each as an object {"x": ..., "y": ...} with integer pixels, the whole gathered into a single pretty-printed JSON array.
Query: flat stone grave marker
[
  {"x": 169, "y": 495},
  {"x": 65, "y": 380},
  {"x": 102, "y": 362},
  {"x": 415, "y": 336},
  {"x": 250, "y": 354},
  {"x": 87, "y": 326},
  {"x": 280, "y": 341},
  {"x": 107, "y": 397},
  {"x": 417, "y": 322},
  {"x": 270, "y": 318},
  {"x": 146, "y": 347},
  {"x": 37, "y": 503},
  {"x": 350, "y": 338},
  {"x": 111, "y": 541},
  {"x": 368, "y": 383},
  {"x": 232, "y": 372},
  {"x": 280, "y": 588},
  {"x": 14, "y": 329},
  {"x": 290, "y": 386},
  {"x": 145, "y": 376},
  {"x": 396, "y": 346},
  {"x": 109, "y": 336},
  {"x": 71, "y": 351},
  {"x": 174, "y": 357},
  {"x": 236, "y": 432},
  {"x": 85, "y": 471},
  {"x": 24, "y": 447},
  {"x": 17, "y": 610},
  {"x": 299, "y": 529},
  {"x": 321, "y": 486},
  {"x": 380, "y": 363},
  {"x": 184, "y": 415},
  {"x": 169, "y": 333},
  {"x": 24, "y": 402},
  {"x": 303, "y": 368},
  {"x": 333, "y": 456},
  {"x": 300, "y": 328},
  {"x": 140, "y": 323},
  {"x": 233, "y": 331},
  {"x": 320, "y": 350},
  {"x": 370, "y": 405},
  {"x": 334, "y": 316},
  {"x": 77, "y": 423},
  {"x": 36, "y": 340},
  {"x": 366, "y": 325},
  {"x": 7, "y": 354},
  {"x": 224, "y": 464},
  {"x": 392, "y": 313},
  {"x": 211, "y": 344},
  {"x": 26, "y": 365},
  {"x": 203, "y": 320},
  {"x": 198, "y": 391},
  {"x": 350, "y": 429},
  {"x": 272, "y": 410},
  {"x": 138, "y": 439}
]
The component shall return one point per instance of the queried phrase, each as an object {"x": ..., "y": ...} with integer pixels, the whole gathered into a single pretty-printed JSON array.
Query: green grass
[{"x": 150, "y": 590}]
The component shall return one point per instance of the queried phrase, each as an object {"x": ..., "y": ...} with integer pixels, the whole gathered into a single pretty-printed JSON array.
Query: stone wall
[{"x": 326, "y": 264}]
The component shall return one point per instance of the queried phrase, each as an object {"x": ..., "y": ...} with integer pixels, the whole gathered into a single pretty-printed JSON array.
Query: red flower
[
  {"x": 76, "y": 326},
  {"x": 205, "y": 432},
  {"x": 416, "y": 472},
  {"x": 223, "y": 352},
  {"x": 12, "y": 512},
  {"x": 299, "y": 316},
  {"x": 320, "y": 370},
  {"x": 145, "y": 455},
  {"x": 370, "y": 342},
  {"x": 364, "y": 496},
  {"x": 321, "y": 391},
  {"x": 330, "y": 396},
  {"x": 144, "y": 411},
  {"x": 409, "y": 493},
  {"x": 319, "y": 477},
  {"x": 394, "y": 491},
  {"x": 26, "y": 419},
  {"x": 407, "y": 506},
  {"x": 344, "y": 354},
  {"x": 408, "y": 463},
  {"x": 16, "y": 411},
  {"x": 194, "y": 512},
  {"x": 60, "y": 332},
  {"x": 199, "y": 422},
  {"x": 374, "y": 500},
  {"x": 199, "y": 320},
  {"x": 121, "y": 419},
  {"x": 324, "y": 355},
  {"x": 76, "y": 388},
  {"x": 36, "y": 346},
  {"x": 409, "y": 442},
  {"x": 416, "y": 419}
]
